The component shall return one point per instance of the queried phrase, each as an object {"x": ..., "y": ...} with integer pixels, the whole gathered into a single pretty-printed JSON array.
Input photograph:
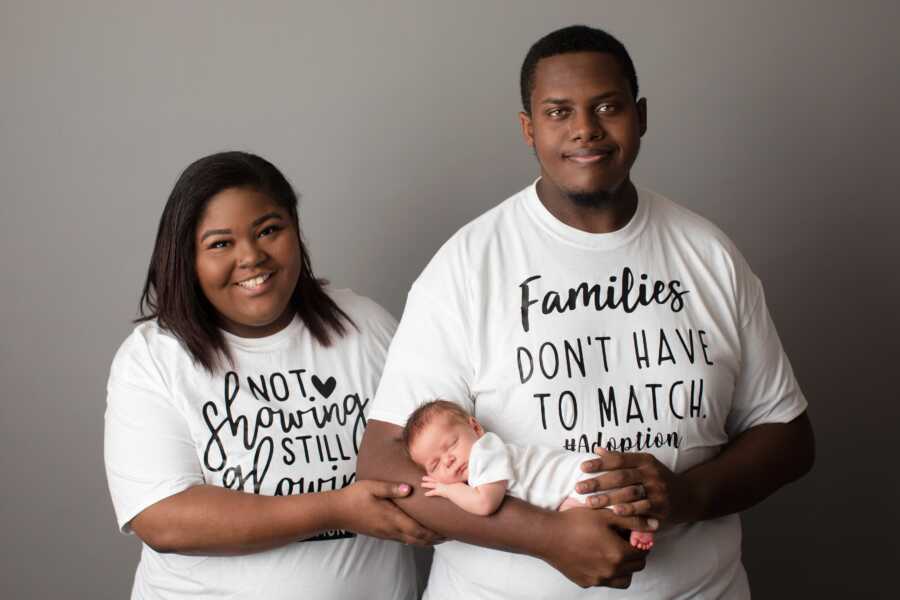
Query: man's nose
[{"x": 586, "y": 126}]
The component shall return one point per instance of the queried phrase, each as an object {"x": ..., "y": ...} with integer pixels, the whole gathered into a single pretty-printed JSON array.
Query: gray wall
[{"x": 777, "y": 120}]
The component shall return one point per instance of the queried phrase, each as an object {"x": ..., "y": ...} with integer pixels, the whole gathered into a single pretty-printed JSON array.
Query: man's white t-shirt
[
  {"x": 286, "y": 418},
  {"x": 540, "y": 475},
  {"x": 652, "y": 338}
]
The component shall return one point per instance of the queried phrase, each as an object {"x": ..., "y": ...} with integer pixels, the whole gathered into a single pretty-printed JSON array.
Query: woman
[{"x": 236, "y": 406}]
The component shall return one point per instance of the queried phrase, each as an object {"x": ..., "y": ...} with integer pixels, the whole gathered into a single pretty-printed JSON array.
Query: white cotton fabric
[
  {"x": 575, "y": 377},
  {"x": 285, "y": 418},
  {"x": 540, "y": 475}
]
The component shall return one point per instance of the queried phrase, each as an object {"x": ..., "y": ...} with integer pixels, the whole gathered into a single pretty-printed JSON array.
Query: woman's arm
[
  {"x": 584, "y": 545},
  {"x": 206, "y": 519}
]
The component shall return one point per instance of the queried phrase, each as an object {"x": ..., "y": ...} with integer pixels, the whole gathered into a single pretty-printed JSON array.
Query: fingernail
[
  {"x": 653, "y": 523},
  {"x": 404, "y": 489}
]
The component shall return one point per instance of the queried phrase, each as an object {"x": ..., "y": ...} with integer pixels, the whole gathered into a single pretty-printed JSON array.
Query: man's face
[{"x": 585, "y": 126}]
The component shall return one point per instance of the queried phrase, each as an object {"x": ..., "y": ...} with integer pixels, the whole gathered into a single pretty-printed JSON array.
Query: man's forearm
[{"x": 753, "y": 466}]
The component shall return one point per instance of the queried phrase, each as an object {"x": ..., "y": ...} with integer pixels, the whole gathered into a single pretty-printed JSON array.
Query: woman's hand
[
  {"x": 638, "y": 484},
  {"x": 366, "y": 507}
]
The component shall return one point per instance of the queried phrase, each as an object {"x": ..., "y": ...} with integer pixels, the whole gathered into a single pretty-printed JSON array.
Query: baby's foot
[{"x": 642, "y": 540}]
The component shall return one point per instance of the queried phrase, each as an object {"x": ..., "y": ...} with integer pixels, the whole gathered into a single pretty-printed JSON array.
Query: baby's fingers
[{"x": 429, "y": 484}]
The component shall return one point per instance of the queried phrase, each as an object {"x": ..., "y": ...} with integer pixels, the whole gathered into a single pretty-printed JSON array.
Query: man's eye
[
  {"x": 606, "y": 108},
  {"x": 557, "y": 113}
]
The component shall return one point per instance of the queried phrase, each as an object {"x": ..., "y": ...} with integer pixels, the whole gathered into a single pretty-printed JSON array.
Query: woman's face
[{"x": 248, "y": 261}]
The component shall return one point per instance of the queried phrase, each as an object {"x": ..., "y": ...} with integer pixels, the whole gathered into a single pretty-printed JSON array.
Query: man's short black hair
[{"x": 575, "y": 38}]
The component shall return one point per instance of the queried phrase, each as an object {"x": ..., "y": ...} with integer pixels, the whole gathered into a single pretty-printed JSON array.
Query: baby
[{"x": 475, "y": 469}]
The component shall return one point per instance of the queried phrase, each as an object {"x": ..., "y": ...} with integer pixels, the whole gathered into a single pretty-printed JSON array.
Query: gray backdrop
[{"x": 777, "y": 120}]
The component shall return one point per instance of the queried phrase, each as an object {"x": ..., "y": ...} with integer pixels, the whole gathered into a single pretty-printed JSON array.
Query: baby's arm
[{"x": 482, "y": 500}]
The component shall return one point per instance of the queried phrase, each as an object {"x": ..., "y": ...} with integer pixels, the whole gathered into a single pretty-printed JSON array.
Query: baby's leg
[{"x": 639, "y": 539}]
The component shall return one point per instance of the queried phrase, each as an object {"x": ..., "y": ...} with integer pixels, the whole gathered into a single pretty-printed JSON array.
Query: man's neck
[{"x": 610, "y": 215}]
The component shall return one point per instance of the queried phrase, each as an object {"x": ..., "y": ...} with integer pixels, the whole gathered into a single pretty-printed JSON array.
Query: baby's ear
[{"x": 476, "y": 426}]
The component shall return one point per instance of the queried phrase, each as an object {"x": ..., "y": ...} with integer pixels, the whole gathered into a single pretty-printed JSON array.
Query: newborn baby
[{"x": 475, "y": 469}]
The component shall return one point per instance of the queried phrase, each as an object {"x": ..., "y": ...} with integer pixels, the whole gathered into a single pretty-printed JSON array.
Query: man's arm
[
  {"x": 583, "y": 545},
  {"x": 751, "y": 467}
]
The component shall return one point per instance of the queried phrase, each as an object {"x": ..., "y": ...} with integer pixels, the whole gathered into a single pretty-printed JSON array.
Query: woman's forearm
[{"x": 207, "y": 519}]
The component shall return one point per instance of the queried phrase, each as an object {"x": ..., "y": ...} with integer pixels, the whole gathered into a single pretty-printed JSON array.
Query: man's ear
[
  {"x": 642, "y": 115},
  {"x": 527, "y": 128}
]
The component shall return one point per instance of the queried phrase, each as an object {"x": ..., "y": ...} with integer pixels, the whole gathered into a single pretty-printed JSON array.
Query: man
[{"x": 587, "y": 313}]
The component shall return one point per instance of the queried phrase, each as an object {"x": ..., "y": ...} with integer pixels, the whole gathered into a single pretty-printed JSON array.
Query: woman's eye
[
  {"x": 219, "y": 244},
  {"x": 269, "y": 230}
]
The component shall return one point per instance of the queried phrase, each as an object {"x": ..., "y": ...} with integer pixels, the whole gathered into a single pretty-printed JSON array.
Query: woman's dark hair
[{"x": 172, "y": 292}]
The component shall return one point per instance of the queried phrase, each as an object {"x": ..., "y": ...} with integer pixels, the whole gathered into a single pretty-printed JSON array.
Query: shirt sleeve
[
  {"x": 766, "y": 390},
  {"x": 148, "y": 449},
  {"x": 489, "y": 461},
  {"x": 428, "y": 359}
]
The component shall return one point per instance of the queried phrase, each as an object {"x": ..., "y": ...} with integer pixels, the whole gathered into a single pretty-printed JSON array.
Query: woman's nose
[{"x": 251, "y": 255}]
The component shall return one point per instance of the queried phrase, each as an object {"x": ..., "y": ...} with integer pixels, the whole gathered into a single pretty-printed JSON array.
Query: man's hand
[
  {"x": 588, "y": 547},
  {"x": 753, "y": 465},
  {"x": 638, "y": 484}
]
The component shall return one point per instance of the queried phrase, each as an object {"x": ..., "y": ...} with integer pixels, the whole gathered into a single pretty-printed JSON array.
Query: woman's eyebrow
[
  {"x": 266, "y": 217},
  {"x": 210, "y": 232},
  {"x": 256, "y": 222}
]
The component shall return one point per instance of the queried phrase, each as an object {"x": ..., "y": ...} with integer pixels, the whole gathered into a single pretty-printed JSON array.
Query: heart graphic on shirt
[{"x": 324, "y": 388}]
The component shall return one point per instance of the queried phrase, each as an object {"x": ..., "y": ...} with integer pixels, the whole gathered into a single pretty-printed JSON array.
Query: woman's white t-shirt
[{"x": 285, "y": 418}]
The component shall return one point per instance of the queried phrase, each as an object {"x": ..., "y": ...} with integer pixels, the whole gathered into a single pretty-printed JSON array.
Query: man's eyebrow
[
  {"x": 603, "y": 96},
  {"x": 211, "y": 232}
]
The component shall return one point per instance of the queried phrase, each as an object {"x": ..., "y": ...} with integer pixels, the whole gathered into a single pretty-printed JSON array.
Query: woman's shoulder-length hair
[{"x": 172, "y": 293}]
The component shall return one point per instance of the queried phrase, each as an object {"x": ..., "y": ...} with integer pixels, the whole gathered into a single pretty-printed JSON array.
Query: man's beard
[{"x": 596, "y": 199}]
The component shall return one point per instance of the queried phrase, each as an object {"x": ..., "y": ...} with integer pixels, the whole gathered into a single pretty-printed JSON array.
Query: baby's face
[{"x": 443, "y": 446}]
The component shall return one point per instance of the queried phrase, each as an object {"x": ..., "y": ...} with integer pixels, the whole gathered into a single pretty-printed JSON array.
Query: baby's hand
[{"x": 434, "y": 487}]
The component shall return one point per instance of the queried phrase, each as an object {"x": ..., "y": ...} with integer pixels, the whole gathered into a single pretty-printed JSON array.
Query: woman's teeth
[{"x": 255, "y": 282}]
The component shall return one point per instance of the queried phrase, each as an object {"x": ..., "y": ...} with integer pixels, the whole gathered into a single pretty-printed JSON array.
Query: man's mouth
[
  {"x": 587, "y": 156},
  {"x": 255, "y": 282}
]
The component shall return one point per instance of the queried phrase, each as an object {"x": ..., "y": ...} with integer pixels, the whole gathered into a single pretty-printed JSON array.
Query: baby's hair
[{"x": 424, "y": 415}]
